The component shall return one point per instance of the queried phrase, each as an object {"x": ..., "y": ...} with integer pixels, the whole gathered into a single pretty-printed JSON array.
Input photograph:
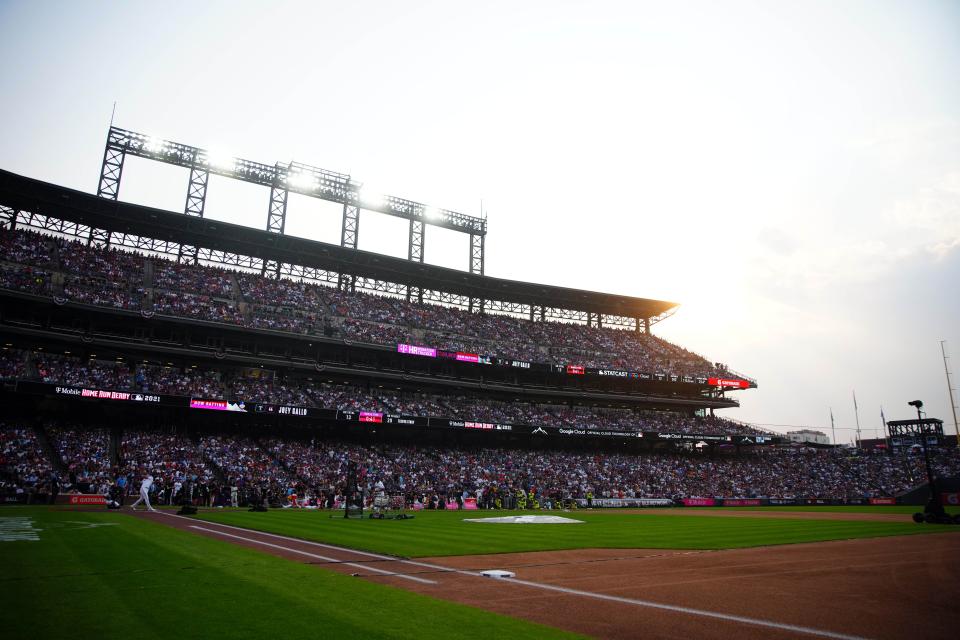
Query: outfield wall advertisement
[
  {"x": 786, "y": 502},
  {"x": 618, "y": 503}
]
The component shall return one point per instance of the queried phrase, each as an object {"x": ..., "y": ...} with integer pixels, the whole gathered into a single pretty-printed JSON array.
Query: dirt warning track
[{"x": 875, "y": 588}]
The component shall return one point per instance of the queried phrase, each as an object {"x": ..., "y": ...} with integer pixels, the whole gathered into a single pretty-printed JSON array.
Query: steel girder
[
  {"x": 187, "y": 254},
  {"x": 8, "y": 217},
  {"x": 277, "y": 212},
  {"x": 415, "y": 246},
  {"x": 476, "y": 253},
  {"x": 294, "y": 271},
  {"x": 298, "y": 177},
  {"x": 415, "y": 254},
  {"x": 114, "y": 153},
  {"x": 294, "y": 176},
  {"x": 98, "y": 237},
  {"x": 197, "y": 191},
  {"x": 476, "y": 266},
  {"x": 350, "y": 228},
  {"x": 270, "y": 268},
  {"x": 231, "y": 259}
]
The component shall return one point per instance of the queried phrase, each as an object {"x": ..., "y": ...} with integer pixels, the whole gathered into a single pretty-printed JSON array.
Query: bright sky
[{"x": 788, "y": 171}]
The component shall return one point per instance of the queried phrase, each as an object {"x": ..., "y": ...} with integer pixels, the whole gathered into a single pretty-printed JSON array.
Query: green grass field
[
  {"x": 826, "y": 509},
  {"x": 440, "y": 533},
  {"x": 109, "y": 575},
  {"x": 106, "y": 574}
]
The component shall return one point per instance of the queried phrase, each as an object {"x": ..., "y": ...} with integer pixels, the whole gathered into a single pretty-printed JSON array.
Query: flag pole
[
  {"x": 950, "y": 390},
  {"x": 833, "y": 427},
  {"x": 856, "y": 412},
  {"x": 886, "y": 432}
]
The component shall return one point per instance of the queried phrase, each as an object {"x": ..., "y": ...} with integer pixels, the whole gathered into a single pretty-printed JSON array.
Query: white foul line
[
  {"x": 313, "y": 555},
  {"x": 539, "y": 585},
  {"x": 328, "y": 546}
]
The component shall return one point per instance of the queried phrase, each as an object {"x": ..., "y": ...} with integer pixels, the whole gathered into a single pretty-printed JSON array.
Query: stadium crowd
[
  {"x": 12, "y": 364},
  {"x": 86, "y": 457},
  {"x": 24, "y": 278},
  {"x": 126, "y": 280},
  {"x": 229, "y": 469},
  {"x": 236, "y": 386},
  {"x": 24, "y": 468}
]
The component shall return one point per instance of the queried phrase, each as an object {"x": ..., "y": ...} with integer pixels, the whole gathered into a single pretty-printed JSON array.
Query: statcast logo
[{"x": 613, "y": 372}]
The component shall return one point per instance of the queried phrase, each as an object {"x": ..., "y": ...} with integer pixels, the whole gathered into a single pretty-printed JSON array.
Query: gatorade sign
[
  {"x": 87, "y": 499},
  {"x": 728, "y": 383}
]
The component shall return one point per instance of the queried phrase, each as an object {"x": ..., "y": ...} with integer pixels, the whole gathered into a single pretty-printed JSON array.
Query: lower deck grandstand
[{"x": 85, "y": 459}]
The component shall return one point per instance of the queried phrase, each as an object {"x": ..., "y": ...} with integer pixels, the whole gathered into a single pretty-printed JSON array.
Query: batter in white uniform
[{"x": 144, "y": 493}]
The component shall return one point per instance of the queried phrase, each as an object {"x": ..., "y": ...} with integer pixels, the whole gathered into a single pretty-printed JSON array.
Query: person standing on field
[{"x": 144, "y": 493}]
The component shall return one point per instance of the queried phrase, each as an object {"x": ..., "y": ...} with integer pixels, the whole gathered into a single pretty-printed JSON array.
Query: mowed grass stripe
[
  {"x": 894, "y": 509},
  {"x": 137, "y": 579},
  {"x": 445, "y": 533}
]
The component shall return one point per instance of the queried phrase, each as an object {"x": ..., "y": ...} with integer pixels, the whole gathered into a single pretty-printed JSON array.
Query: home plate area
[{"x": 526, "y": 520}]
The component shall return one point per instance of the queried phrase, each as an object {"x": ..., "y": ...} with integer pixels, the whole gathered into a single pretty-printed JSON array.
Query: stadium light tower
[
  {"x": 282, "y": 178},
  {"x": 933, "y": 505}
]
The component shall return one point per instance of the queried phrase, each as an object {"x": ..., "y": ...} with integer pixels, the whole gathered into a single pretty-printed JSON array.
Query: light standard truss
[
  {"x": 415, "y": 254},
  {"x": 197, "y": 191},
  {"x": 283, "y": 179}
]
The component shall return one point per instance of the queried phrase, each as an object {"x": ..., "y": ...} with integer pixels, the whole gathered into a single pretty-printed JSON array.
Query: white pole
[
  {"x": 950, "y": 390},
  {"x": 856, "y": 412},
  {"x": 833, "y": 427}
]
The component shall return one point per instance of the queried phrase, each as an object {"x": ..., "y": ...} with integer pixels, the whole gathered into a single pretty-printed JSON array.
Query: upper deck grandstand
[
  {"x": 107, "y": 296},
  {"x": 226, "y": 273}
]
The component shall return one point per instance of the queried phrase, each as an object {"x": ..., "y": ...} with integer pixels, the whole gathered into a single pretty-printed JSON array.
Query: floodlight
[
  {"x": 371, "y": 198},
  {"x": 153, "y": 144},
  {"x": 301, "y": 180},
  {"x": 431, "y": 213},
  {"x": 221, "y": 160}
]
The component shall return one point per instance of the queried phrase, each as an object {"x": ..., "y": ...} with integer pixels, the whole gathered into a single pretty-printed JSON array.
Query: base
[{"x": 497, "y": 573}]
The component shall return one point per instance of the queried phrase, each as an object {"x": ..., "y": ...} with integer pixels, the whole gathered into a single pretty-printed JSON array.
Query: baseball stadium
[{"x": 211, "y": 430}]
